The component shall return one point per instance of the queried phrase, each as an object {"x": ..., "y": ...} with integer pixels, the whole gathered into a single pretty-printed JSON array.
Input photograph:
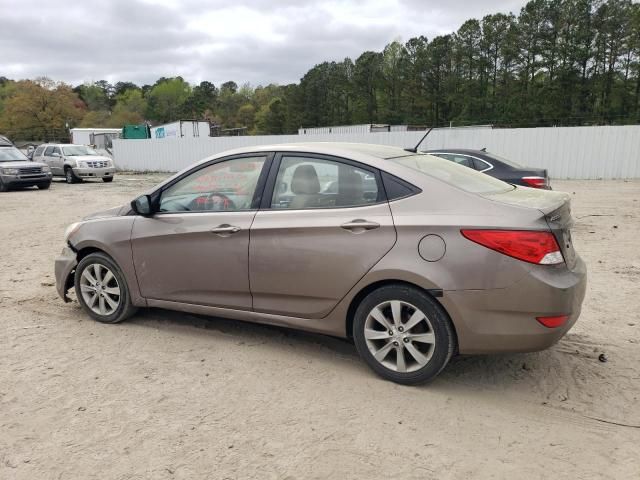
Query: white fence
[{"x": 567, "y": 152}]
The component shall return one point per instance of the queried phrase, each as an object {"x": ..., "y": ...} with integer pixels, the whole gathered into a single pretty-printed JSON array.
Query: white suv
[{"x": 75, "y": 162}]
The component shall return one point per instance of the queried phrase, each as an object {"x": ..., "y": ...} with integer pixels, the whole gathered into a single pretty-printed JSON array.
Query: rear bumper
[
  {"x": 94, "y": 172},
  {"x": 65, "y": 263},
  {"x": 504, "y": 320},
  {"x": 26, "y": 180}
]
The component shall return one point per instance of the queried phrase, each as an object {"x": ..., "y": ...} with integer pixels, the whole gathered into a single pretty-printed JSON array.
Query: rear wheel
[
  {"x": 69, "y": 176},
  {"x": 403, "y": 334},
  {"x": 102, "y": 289},
  {"x": 107, "y": 179}
]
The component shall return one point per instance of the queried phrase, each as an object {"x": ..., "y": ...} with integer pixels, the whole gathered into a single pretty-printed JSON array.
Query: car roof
[
  {"x": 383, "y": 152},
  {"x": 458, "y": 150}
]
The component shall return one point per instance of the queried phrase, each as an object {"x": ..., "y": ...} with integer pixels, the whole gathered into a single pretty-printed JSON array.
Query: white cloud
[{"x": 257, "y": 41}]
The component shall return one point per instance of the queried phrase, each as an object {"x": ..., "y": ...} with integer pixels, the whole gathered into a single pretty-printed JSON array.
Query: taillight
[
  {"x": 528, "y": 245},
  {"x": 554, "y": 321},
  {"x": 535, "y": 182}
]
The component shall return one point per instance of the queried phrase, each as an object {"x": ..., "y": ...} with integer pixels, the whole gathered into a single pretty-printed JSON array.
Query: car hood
[
  {"x": 544, "y": 200},
  {"x": 21, "y": 164},
  {"x": 112, "y": 212}
]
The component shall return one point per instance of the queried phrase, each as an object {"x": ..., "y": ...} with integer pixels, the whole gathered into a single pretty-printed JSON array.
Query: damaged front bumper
[{"x": 66, "y": 263}]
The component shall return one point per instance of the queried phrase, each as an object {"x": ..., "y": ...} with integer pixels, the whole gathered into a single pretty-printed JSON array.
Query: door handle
[
  {"x": 225, "y": 229},
  {"x": 359, "y": 225}
]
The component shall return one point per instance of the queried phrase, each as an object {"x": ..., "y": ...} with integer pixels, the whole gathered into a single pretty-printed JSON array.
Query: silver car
[
  {"x": 75, "y": 162},
  {"x": 413, "y": 257}
]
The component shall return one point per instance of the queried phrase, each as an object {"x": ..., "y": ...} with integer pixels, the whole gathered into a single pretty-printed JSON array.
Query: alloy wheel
[
  {"x": 100, "y": 289},
  {"x": 399, "y": 336}
]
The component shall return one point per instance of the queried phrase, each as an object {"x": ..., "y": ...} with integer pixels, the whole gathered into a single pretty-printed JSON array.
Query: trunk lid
[{"x": 556, "y": 208}]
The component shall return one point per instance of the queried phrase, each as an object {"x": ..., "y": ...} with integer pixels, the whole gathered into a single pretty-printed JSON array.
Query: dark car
[
  {"x": 496, "y": 166},
  {"x": 16, "y": 170}
]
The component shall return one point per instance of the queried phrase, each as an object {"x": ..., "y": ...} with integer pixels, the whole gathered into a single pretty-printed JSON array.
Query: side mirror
[{"x": 142, "y": 206}]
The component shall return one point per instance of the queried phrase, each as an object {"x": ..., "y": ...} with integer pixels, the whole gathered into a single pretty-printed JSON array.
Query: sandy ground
[{"x": 174, "y": 396}]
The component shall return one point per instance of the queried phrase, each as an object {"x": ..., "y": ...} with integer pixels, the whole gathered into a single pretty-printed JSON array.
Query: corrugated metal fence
[{"x": 567, "y": 152}]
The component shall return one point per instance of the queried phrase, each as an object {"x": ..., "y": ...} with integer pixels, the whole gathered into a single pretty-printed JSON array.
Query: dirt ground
[{"x": 175, "y": 396}]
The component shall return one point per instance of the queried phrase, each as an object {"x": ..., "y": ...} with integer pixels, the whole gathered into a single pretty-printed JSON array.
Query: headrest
[{"x": 305, "y": 181}]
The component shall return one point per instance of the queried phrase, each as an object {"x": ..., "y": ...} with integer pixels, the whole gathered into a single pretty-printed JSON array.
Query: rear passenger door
[{"x": 323, "y": 224}]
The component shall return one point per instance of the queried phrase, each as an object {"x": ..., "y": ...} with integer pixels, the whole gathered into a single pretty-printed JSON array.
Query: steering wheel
[{"x": 212, "y": 202}]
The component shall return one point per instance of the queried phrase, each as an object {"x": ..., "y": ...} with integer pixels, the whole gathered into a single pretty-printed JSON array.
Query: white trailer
[
  {"x": 83, "y": 136},
  {"x": 182, "y": 129}
]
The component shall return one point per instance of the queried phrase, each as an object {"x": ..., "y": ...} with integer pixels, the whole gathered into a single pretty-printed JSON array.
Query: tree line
[{"x": 558, "y": 62}]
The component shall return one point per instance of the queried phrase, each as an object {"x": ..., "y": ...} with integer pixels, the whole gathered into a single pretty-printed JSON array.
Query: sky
[{"x": 254, "y": 41}]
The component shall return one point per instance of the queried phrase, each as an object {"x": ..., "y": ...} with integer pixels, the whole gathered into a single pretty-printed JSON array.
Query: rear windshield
[
  {"x": 454, "y": 174},
  {"x": 8, "y": 154},
  {"x": 511, "y": 163}
]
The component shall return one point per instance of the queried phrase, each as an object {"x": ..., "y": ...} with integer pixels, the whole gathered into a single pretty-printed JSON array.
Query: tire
[
  {"x": 89, "y": 285},
  {"x": 107, "y": 179},
  {"x": 408, "y": 356},
  {"x": 44, "y": 186},
  {"x": 69, "y": 176}
]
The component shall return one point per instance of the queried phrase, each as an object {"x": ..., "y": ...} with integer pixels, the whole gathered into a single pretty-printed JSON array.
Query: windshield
[
  {"x": 11, "y": 154},
  {"x": 454, "y": 174},
  {"x": 75, "y": 150}
]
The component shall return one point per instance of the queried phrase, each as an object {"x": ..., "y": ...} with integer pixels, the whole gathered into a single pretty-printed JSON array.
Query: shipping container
[{"x": 182, "y": 129}]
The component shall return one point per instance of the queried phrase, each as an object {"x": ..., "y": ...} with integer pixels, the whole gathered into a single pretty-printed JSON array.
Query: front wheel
[
  {"x": 3, "y": 187},
  {"x": 70, "y": 177},
  {"x": 44, "y": 186},
  {"x": 403, "y": 334},
  {"x": 107, "y": 179},
  {"x": 102, "y": 289}
]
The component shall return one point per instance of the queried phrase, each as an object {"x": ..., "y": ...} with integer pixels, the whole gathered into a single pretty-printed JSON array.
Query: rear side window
[
  {"x": 307, "y": 182},
  {"x": 397, "y": 188},
  {"x": 456, "y": 175}
]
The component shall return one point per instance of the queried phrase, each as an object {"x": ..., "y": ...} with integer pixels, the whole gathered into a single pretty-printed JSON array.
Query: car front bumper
[
  {"x": 504, "y": 320},
  {"x": 26, "y": 180},
  {"x": 66, "y": 262},
  {"x": 88, "y": 172}
]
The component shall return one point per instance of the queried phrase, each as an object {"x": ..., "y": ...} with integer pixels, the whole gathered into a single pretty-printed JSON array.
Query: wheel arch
[{"x": 366, "y": 290}]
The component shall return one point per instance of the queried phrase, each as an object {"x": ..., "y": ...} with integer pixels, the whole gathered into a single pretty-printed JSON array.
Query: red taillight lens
[
  {"x": 554, "y": 321},
  {"x": 535, "y": 182},
  {"x": 530, "y": 246}
]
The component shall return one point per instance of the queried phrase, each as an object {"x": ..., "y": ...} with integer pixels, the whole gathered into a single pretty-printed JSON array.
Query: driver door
[{"x": 196, "y": 248}]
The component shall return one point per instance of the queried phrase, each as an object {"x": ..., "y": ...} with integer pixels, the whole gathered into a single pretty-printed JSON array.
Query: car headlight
[
  {"x": 46, "y": 169},
  {"x": 71, "y": 229},
  {"x": 82, "y": 164},
  {"x": 9, "y": 171}
]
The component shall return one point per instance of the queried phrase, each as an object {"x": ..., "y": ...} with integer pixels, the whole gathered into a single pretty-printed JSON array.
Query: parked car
[
  {"x": 17, "y": 171},
  {"x": 440, "y": 260},
  {"x": 75, "y": 162},
  {"x": 496, "y": 166}
]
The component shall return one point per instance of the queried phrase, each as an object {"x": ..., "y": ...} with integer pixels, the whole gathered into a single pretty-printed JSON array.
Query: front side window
[
  {"x": 225, "y": 186},
  {"x": 48, "y": 151},
  {"x": 56, "y": 150},
  {"x": 306, "y": 182}
]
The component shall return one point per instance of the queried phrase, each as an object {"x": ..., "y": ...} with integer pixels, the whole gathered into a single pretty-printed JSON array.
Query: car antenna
[{"x": 415, "y": 149}]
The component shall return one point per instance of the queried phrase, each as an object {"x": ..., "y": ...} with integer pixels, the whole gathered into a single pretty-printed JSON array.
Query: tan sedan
[{"x": 413, "y": 257}]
